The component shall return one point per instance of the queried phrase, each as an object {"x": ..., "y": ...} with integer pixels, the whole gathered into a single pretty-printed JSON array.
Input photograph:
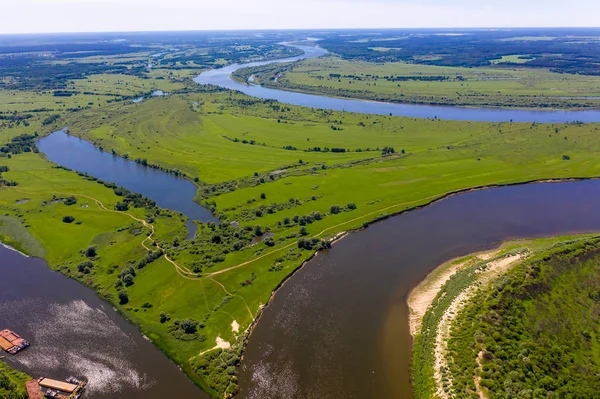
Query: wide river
[
  {"x": 222, "y": 77},
  {"x": 339, "y": 327}
]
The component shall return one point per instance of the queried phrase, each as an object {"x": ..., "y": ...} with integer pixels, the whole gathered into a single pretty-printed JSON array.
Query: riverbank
[
  {"x": 434, "y": 85},
  {"x": 436, "y": 302}
]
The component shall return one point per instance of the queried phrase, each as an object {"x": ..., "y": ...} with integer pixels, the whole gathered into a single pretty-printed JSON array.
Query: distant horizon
[
  {"x": 101, "y": 16},
  {"x": 489, "y": 28}
]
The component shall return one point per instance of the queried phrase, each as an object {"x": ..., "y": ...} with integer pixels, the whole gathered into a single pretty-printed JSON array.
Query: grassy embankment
[
  {"x": 220, "y": 277},
  {"x": 517, "y": 321},
  {"x": 12, "y": 383},
  {"x": 495, "y": 86}
]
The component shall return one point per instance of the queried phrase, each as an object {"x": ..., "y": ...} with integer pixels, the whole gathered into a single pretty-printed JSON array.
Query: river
[
  {"x": 73, "y": 332},
  {"x": 222, "y": 77},
  {"x": 339, "y": 327},
  {"x": 167, "y": 190}
]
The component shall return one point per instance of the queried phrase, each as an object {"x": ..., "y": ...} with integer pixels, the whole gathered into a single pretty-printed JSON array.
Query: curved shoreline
[
  {"x": 223, "y": 78},
  {"x": 343, "y": 234}
]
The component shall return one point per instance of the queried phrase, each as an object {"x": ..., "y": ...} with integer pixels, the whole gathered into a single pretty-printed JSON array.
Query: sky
[{"x": 39, "y": 16}]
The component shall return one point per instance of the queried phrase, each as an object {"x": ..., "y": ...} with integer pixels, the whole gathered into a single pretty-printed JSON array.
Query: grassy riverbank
[
  {"x": 281, "y": 178},
  {"x": 496, "y": 86},
  {"x": 472, "y": 316},
  {"x": 12, "y": 383}
]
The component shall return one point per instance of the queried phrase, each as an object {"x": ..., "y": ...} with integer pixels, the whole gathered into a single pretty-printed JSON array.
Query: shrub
[
  {"x": 91, "y": 252},
  {"x": 123, "y": 297},
  {"x": 121, "y": 206},
  {"x": 70, "y": 201}
]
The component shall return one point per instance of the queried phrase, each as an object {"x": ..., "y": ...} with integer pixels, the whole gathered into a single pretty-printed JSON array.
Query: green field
[
  {"x": 498, "y": 86},
  {"x": 291, "y": 177}
]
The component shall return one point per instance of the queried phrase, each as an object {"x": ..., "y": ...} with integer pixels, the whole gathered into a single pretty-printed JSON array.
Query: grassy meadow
[{"x": 499, "y": 85}]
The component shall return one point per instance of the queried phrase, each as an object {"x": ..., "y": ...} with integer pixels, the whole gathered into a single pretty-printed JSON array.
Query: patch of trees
[
  {"x": 218, "y": 368},
  {"x": 314, "y": 243},
  {"x": 4, "y": 182},
  {"x": 544, "y": 349},
  {"x": 85, "y": 267},
  {"x": 20, "y": 144},
  {"x": 187, "y": 330}
]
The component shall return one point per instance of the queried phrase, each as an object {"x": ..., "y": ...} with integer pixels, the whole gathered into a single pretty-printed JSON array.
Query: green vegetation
[
  {"x": 536, "y": 329},
  {"x": 401, "y": 82},
  {"x": 228, "y": 271},
  {"x": 283, "y": 180},
  {"x": 12, "y": 383},
  {"x": 514, "y": 338}
]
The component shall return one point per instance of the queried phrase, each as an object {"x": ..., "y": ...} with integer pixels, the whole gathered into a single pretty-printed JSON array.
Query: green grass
[
  {"x": 497, "y": 86},
  {"x": 12, "y": 382},
  {"x": 513, "y": 59}
]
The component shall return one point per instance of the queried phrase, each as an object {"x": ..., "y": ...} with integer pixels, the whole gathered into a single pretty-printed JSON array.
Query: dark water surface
[
  {"x": 339, "y": 327},
  {"x": 73, "y": 332},
  {"x": 167, "y": 190},
  {"x": 221, "y": 77}
]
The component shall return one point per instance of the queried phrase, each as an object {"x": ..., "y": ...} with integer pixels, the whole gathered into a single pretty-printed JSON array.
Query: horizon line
[{"x": 295, "y": 30}]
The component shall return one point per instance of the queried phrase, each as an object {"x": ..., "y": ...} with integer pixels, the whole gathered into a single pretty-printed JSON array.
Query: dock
[{"x": 11, "y": 342}]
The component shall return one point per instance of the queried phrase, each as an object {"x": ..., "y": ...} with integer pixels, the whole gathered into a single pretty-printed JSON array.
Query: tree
[
  {"x": 189, "y": 326},
  {"x": 121, "y": 206},
  {"x": 164, "y": 317},
  {"x": 351, "y": 206},
  {"x": 263, "y": 196},
  {"x": 70, "y": 201},
  {"x": 334, "y": 209},
  {"x": 85, "y": 267},
  {"x": 68, "y": 219},
  {"x": 128, "y": 280},
  {"x": 91, "y": 252},
  {"x": 123, "y": 297},
  {"x": 303, "y": 231},
  {"x": 258, "y": 231},
  {"x": 269, "y": 242}
]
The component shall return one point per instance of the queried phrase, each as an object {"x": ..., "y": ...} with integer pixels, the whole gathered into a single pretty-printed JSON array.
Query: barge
[
  {"x": 71, "y": 388},
  {"x": 11, "y": 342}
]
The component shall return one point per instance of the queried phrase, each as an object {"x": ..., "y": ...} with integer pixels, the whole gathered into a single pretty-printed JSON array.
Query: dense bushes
[
  {"x": 219, "y": 369},
  {"x": 536, "y": 329}
]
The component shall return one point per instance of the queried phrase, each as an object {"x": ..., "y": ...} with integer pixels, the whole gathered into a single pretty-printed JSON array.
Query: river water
[
  {"x": 167, "y": 190},
  {"x": 73, "y": 332},
  {"x": 221, "y": 77},
  {"x": 339, "y": 327}
]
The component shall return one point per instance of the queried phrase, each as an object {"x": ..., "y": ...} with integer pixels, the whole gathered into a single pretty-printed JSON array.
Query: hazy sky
[{"x": 21, "y": 16}]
